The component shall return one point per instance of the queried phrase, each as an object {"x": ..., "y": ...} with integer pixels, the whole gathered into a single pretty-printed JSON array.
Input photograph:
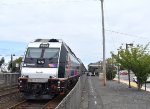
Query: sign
[
  {"x": 40, "y": 61},
  {"x": 44, "y": 45}
]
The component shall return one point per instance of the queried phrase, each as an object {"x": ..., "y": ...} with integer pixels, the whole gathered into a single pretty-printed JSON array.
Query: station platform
[{"x": 112, "y": 96}]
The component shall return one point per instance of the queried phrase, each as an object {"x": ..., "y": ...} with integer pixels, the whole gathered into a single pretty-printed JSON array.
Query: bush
[{"x": 110, "y": 73}]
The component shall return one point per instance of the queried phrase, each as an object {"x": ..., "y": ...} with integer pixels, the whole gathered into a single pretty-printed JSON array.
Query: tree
[
  {"x": 2, "y": 61},
  {"x": 13, "y": 64},
  {"x": 136, "y": 59},
  {"x": 110, "y": 69}
]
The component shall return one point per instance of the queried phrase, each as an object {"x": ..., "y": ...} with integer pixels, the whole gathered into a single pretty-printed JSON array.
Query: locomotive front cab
[{"x": 42, "y": 60}]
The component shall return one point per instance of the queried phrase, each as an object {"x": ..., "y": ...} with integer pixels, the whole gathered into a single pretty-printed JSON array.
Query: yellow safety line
[{"x": 133, "y": 84}]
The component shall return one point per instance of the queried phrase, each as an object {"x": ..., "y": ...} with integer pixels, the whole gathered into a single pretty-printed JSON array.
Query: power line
[{"x": 122, "y": 33}]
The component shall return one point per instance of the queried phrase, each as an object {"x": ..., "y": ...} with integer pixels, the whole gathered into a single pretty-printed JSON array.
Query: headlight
[
  {"x": 52, "y": 77},
  {"x": 24, "y": 65},
  {"x": 24, "y": 76}
]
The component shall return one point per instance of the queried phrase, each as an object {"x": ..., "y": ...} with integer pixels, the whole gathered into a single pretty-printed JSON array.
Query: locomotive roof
[
  {"x": 48, "y": 40},
  {"x": 37, "y": 44},
  {"x": 53, "y": 43}
]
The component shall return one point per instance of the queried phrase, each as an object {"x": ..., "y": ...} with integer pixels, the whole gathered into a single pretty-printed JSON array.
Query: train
[{"x": 49, "y": 68}]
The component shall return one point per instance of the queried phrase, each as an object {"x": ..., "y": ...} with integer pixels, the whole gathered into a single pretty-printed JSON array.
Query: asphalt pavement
[{"x": 112, "y": 96}]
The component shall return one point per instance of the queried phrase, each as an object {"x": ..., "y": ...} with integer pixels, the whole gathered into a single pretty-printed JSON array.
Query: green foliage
[
  {"x": 136, "y": 59},
  {"x": 2, "y": 61},
  {"x": 18, "y": 60},
  {"x": 110, "y": 70},
  {"x": 13, "y": 65},
  {"x": 110, "y": 74},
  {"x": 109, "y": 61}
]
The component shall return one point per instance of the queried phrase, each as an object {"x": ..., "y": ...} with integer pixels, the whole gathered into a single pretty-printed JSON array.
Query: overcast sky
[{"x": 77, "y": 22}]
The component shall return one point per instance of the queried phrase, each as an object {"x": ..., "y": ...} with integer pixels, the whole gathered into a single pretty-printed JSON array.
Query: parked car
[
  {"x": 93, "y": 74},
  {"x": 123, "y": 72},
  {"x": 89, "y": 73},
  {"x": 135, "y": 79}
]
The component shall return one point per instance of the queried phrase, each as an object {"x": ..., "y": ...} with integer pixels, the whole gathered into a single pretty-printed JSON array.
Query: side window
[{"x": 67, "y": 60}]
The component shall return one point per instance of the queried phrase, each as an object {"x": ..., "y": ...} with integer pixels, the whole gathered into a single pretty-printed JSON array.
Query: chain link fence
[
  {"x": 8, "y": 79},
  {"x": 73, "y": 99}
]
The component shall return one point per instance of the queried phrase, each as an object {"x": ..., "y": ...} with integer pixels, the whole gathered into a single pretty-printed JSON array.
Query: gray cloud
[{"x": 77, "y": 22}]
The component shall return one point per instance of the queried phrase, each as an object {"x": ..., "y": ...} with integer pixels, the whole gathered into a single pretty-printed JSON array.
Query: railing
[
  {"x": 8, "y": 79},
  {"x": 73, "y": 99}
]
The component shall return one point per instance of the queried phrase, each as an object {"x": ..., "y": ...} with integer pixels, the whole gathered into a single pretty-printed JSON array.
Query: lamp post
[
  {"x": 103, "y": 34},
  {"x": 12, "y": 61},
  {"x": 131, "y": 44}
]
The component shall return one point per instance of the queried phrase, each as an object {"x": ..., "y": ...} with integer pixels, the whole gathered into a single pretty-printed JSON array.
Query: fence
[
  {"x": 73, "y": 99},
  {"x": 8, "y": 79}
]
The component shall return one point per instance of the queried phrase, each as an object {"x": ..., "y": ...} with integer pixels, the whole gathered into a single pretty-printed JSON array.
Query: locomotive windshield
[
  {"x": 42, "y": 53},
  {"x": 34, "y": 53},
  {"x": 42, "y": 57},
  {"x": 51, "y": 53}
]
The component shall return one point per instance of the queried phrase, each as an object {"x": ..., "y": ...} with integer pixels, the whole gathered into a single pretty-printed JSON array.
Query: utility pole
[
  {"x": 12, "y": 62},
  {"x": 103, "y": 34}
]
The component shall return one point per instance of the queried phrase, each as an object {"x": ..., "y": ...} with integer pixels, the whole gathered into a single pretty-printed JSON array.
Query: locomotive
[{"x": 49, "y": 68}]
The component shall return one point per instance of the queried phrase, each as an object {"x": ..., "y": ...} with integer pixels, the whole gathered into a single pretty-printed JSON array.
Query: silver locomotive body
[{"x": 49, "y": 68}]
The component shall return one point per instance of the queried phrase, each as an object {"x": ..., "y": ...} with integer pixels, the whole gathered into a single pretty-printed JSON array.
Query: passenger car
[
  {"x": 135, "y": 79},
  {"x": 123, "y": 72},
  {"x": 93, "y": 74},
  {"x": 89, "y": 73}
]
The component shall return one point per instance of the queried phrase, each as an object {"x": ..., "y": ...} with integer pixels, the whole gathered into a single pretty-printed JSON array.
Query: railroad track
[
  {"x": 9, "y": 97},
  {"x": 8, "y": 94},
  {"x": 8, "y": 91},
  {"x": 39, "y": 104},
  {"x": 8, "y": 88},
  {"x": 54, "y": 103}
]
